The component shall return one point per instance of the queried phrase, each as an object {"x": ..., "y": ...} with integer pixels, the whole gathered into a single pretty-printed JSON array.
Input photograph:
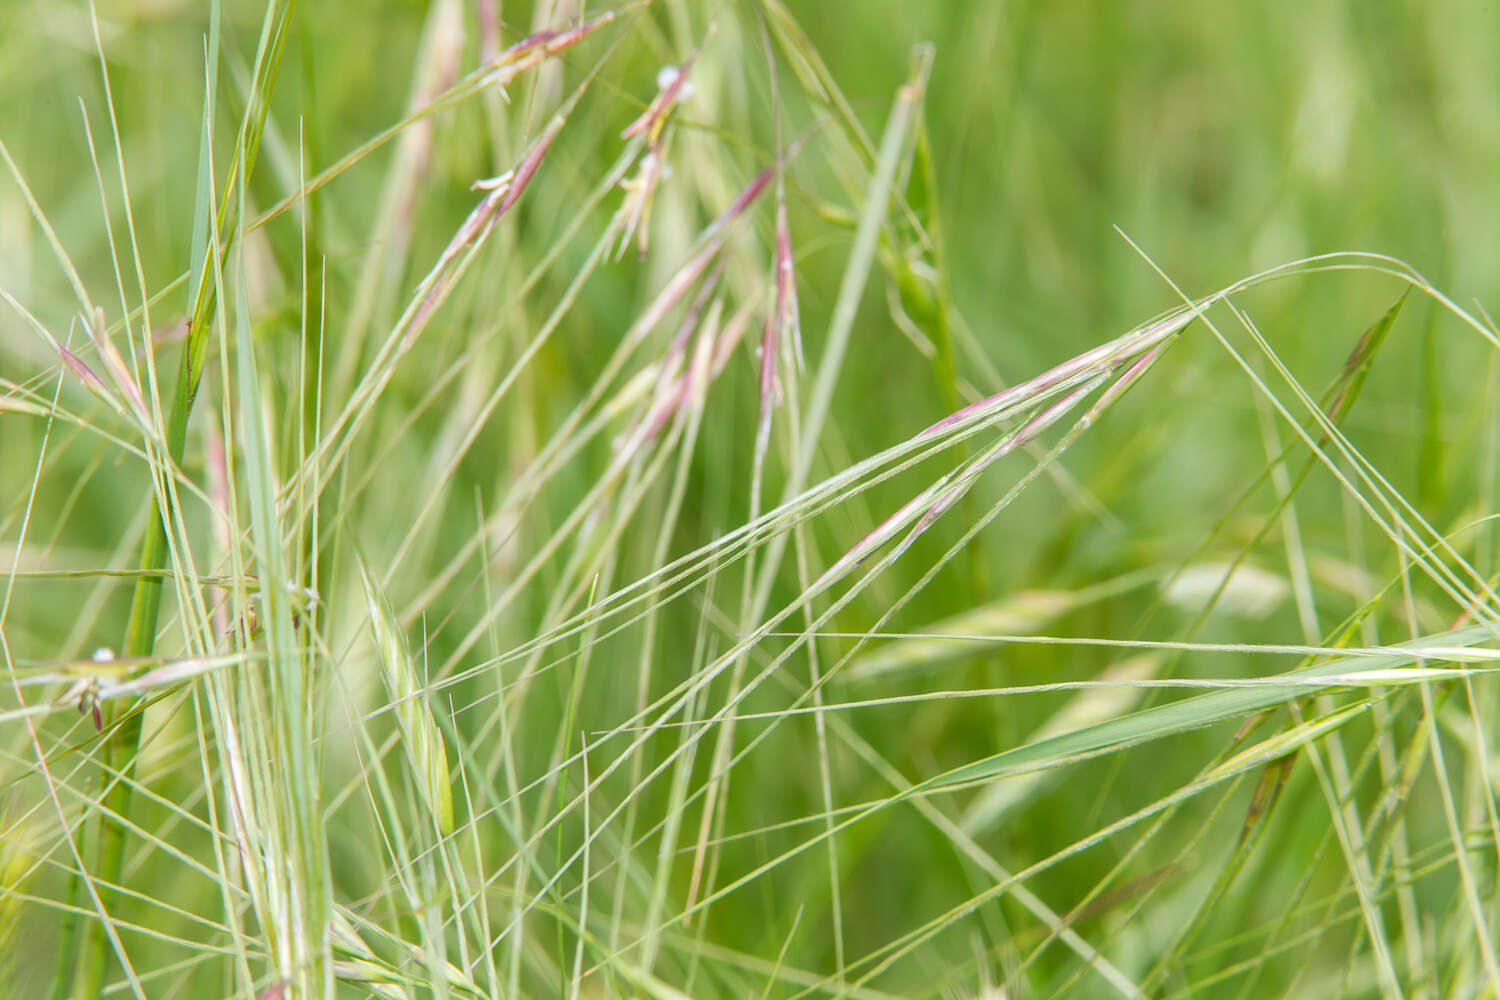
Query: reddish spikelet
[
  {"x": 1043, "y": 420},
  {"x": 665, "y": 407},
  {"x": 690, "y": 386},
  {"x": 715, "y": 348},
  {"x": 751, "y": 192},
  {"x": 477, "y": 222},
  {"x": 782, "y": 322},
  {"x": 524, "y": 47},
  {"x": 687, "y": 275},
  {"x": 673, "y": 291},
  {"x": 527, "y": 169},
  {"x": 1047, "y": 417},
  {"x": 1020, "y": 438},
  {"x": 1105, "y": 357},
  {"x": 578, "y": 33},
  {"x": 666, "y": 403},
  {"x": 737, "y": 207},
  {"x": 690, "y": 321},
  {"x": 670, "y": 396},
  {"x": 474, "y": 223},
  {"x": 770, "y": 388},
  {"x": 652, "y": 120},
  {"x": 85, "y": 374},
  {"x": 866, "y": 546},
  {"x": 942, "y": 503},
  {"x": 532, "y": 49},
  {"x": 1016, "y": 393},
  {"x": 124, "y": 381},
  {"x": 119, "y": 373},
  {"x": 653, "y": 167},
  {"x": 676, "y": 388},
  {"x": 1122, "y": 384},
  {"x": 501, "y": 196}
]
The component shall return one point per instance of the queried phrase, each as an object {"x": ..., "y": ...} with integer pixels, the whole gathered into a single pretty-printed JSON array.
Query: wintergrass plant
[{"x": 548, "y": 519}]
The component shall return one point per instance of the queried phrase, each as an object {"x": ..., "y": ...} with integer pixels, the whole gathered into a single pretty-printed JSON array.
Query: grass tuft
[{"x": 886, "y": 580}]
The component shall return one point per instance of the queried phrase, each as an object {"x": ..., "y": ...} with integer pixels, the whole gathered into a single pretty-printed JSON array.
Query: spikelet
[{"x": 425, "y": 751}]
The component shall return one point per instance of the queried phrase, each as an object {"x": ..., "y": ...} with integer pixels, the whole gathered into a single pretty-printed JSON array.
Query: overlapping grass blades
[{"x": 593, "y": 545}]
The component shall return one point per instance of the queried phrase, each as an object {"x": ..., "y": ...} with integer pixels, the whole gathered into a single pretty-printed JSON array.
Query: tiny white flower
[
  {"x": 103, "y": 655},
  {"x": 305, "y": 593},
  {"x": 667, "y": 75}
]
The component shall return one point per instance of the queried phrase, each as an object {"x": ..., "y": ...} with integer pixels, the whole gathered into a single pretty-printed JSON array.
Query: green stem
[{"x": 106, "y": 848}]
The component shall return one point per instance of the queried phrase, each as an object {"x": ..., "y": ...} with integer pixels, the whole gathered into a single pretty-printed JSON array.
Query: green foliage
[{"x": 776, "y": 498}]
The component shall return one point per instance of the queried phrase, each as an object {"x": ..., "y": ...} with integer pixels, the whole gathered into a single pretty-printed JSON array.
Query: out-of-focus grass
[{"x": 1347, "y": 842}]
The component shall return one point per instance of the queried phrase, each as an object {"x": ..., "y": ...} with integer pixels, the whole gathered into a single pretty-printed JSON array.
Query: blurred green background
[
  {"x": 1218, "y": 136},
  {"x": 1223, "y": 138}
]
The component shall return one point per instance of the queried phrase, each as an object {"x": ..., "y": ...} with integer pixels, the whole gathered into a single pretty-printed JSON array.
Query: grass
[{"x": 920, "y": 500}]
